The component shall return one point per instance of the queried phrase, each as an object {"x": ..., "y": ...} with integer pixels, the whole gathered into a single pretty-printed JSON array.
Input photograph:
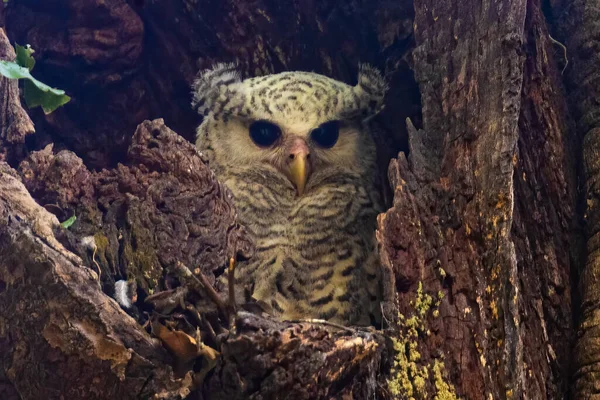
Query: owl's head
[{"x": 300, "y": 123}]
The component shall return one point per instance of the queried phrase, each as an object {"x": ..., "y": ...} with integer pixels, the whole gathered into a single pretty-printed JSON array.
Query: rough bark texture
[
  {"x": 484, "y": 209},
  {"x": 578, "y": 26},
  {"x": 269, "y": 360},
  {"x": 547, "y": 228},
  {"x": 60, "y": 333},
  {"x": 461, "y": 176},
  {"x": 161, "y": 207},
  {"x": 483, "y": 239},
  {"x": 15, "y": 124}
]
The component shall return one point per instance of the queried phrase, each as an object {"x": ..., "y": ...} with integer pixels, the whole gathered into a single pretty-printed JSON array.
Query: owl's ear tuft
[
  {"x": 371, "y": 89},
  {"x": 210, "y": 83}
]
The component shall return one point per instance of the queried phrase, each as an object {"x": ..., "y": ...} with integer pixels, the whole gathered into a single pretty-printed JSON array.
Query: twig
[
  {"x": 564, "y": 48},
  {"x": 231, "y": 284},
  {"x": 210, "y": 290},
  {"x": 203, "y": 323},
  {"x": 201, "y": 283}
]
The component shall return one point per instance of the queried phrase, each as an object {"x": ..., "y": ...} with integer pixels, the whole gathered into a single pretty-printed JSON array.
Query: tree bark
[
  {"x": 58, "y": 331},
  {"x": 483, "y": 212},
  {"x": 578, "y": 27},
  {"x": 15, "y": 124},
  {"x": 483, "y": 242},
  {"x": 61, "y": 336}
]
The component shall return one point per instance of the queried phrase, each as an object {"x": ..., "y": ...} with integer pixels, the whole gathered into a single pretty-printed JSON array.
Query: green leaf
[
  {"x": 13, "y": 70},
  {"x": 24, "y": 58},
  {"x": 49, "y": 100},
  {"x": 36, "y": 92},
  {"x": 66, "y": 224}
]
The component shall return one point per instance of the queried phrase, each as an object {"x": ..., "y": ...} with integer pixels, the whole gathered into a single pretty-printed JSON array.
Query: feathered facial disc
[{"x": 300, "y": 123}]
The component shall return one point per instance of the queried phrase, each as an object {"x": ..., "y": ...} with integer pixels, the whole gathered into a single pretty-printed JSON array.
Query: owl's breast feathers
[{"x": 315, "y": 254}]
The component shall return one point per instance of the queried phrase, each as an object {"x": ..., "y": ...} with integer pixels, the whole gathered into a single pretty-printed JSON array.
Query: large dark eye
[
  {"x": 264, "y": 133},
  {"x": 326, "y": 135}
]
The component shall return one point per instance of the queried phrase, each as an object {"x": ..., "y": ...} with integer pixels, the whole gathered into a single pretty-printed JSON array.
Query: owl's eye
[
  {"x": 326, "y": 135},
  {"x": 264, "y": 133}
]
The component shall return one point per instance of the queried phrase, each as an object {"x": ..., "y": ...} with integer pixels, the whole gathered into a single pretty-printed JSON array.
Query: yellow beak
[{"x": 298, "y": 173}]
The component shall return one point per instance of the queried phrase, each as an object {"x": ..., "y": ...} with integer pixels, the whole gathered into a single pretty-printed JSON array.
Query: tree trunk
[
  {"x": 578, "y": 27},
  {"x": 483, "y": 242}
]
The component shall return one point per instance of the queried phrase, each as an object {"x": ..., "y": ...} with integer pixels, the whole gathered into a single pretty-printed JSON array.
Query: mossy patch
[
  {"x": 102, "y": 247},
  {"x": 141, "y": 262},
  {"x": 410, "y": 375}
]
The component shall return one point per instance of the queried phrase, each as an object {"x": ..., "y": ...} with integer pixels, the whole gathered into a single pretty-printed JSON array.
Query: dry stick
[
  {"x": 232, "y": 305},
  {"x": 212, "y": 293},
  {"x": 202, "y": 282},
  {"x": 202, "y": 322}
]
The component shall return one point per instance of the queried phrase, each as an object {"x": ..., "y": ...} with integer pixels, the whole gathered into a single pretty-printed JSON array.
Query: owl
[{"x": 296, "y": 152}]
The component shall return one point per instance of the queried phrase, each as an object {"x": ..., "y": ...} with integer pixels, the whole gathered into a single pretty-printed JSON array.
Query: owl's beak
[
  {"x": 298, "y": 172},
  {"x": 298, "y": 167}
]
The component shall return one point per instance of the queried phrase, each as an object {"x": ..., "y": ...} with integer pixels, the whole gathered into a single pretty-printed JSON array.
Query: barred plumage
[{"x": 315, "y": 241}]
